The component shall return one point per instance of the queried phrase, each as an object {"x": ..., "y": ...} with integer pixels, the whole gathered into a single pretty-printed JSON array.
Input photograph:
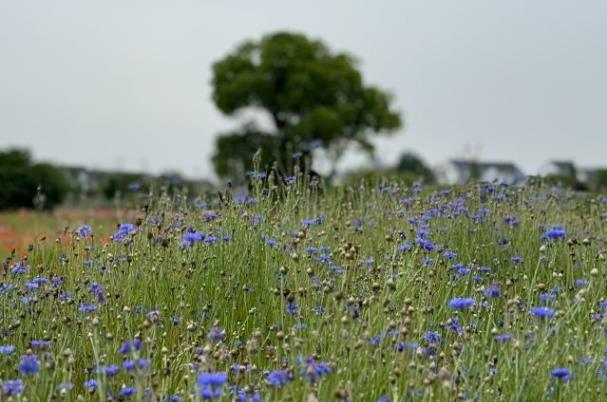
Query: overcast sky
[{"x": 125, "y": 84}]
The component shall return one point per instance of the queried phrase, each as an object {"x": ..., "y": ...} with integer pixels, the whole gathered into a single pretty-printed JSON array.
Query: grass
[{"x": 348, "y": 292}]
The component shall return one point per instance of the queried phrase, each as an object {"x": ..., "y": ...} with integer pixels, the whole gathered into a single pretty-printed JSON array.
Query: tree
[
  {"x": 413, "y": 164},
  {"x": 27, "y": 185},
  {"x": 309, "y": 93}
]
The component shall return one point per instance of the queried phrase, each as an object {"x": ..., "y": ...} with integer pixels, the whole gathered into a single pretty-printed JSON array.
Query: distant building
[{"x": 459, "y": 171}]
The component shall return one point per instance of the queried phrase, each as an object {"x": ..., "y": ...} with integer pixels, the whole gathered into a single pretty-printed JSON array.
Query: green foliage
[
  {"x": 117, "y": 184},
  {"x": 598, "y": 181},
  {"x": 28, "y": 185},
  {"x": 566, "y": 180},
  {"x": 414, "y": 165},
  {"x": 309, "y": 93},
  {"x": 353, "y": 288}
]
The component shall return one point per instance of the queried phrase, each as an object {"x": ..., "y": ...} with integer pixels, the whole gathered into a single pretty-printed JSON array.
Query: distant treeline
[{"x": 26, "y": 184}]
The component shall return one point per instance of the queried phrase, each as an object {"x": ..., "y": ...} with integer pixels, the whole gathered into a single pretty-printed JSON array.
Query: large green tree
[{"x": 310, "y": 94}]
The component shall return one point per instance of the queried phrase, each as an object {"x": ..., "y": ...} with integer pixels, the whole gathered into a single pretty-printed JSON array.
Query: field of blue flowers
[{"x": 374, "y": 293}]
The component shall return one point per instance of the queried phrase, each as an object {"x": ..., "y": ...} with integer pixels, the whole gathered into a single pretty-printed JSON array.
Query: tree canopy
[
  {"x": 410, "y": 163},
  {"x": 27, "y": 185},
  {"x": 309, "y": 93}
]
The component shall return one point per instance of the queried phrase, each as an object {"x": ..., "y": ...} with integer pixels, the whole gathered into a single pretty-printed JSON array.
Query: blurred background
[{"x": 98, "y": 99}]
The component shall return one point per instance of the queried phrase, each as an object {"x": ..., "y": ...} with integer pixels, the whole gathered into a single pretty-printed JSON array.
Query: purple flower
[
  {"x": 517, "y": 259},
  {"x": 189, "y": 238},
  {"x": 503, "y": 337},
  {"x": 278, "y": 378},
  {"x": 432, "y": 337},
  {"x": 84, "y": 231},
  {"x": 460, "y": 303},
  {"x": 561, "y": 373},
  {"x": 555, "y": 233},
  {"x": 216, "y": 334},
  {"x": 127, "y": 391},
  {"x": 210, "y": 384},
  {"x": 87, "y": 308},
  {"x": 29, "y": 364},
  {"x": 130, "y": 346},
  {"x": 292, "y": 308},
  {"x": 492, "y": 291},
  {"x": 542, "y": 312},
  {"x": 123, "y": 231},
  {"x": 313, "y": 371},
  {"x": 6, "y": 350},
  {"x": 12, "y": 387},
  {"x": 90, "y": 384}
]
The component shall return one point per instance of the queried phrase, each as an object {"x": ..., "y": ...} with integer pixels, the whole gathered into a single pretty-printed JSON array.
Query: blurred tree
[
  {"x": 27, "y": 185},
  {"x": 309, "y": 93},
  {"x": 414, "y": 165},
  {"x": 121, "y": 184}
]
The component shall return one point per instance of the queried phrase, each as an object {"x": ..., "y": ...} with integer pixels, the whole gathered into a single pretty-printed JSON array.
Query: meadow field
[{"x": 372, "y": 293}]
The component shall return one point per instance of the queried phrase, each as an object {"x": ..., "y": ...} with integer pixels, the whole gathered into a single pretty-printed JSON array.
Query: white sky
[{"x": 125, "y": 84}]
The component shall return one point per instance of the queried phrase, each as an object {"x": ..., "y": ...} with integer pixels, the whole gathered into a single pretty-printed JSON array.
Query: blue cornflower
[
  {"x": 459, "y": 303},
  {"x": 240, "y": 395},
  {"x": 424, "y": 243},
  {"x": 278, "y": 378},
  {"x": 189, "y": 238},
  {"x": 517, "y": 259},
  {"x": 292, "y": 308},
  {"x": 547, "y": 297},
  {"x": 90, "y": 384},
  {"x": 141, "y": 364},
  {"x": 216, "y": 334},
  {"x": 543, "y": 312},
  {"x": 503, "y": 337},
  {"x": 454, "y": 325},
  {"x": 123, "y": 231},
  {"x": 98, "y": 291},
  {"x": 20, "y": 268},
  {"x": 108, "y": 371},
  {"x": 40, "y": 343},
  {"x": 404, "y": 247},
  {"x": 6, "y": 350},
  {"x": 84, "y": 231},
  {"x": 492, "y": 291},
  {"x": 433, "y": 337},
  {"x": 511, "y": 220},
  {"x": 87, "y": 308},
  {"x": 12, "y": 387},
  {"x": 561, "y": 373},
  {"x": 320, "y": 310},
  {"x": 127, "y": 391},
  {"x": 29, "y": 364},
  {"x": 555, "y": 233},
  {"x": 210, "y": 216},
  {"x": 65, "y": 297},
  {"x": 130, "y": 346},
  {"x": 312, "y": 371},
  {"x": 449, "y": 255},
  {"x": 210, "y": 384},
  {"x": 210, "y": 239}
]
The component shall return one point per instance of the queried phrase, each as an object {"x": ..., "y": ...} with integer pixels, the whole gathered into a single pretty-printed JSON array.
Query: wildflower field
[{"x": 372, "y": 293}]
